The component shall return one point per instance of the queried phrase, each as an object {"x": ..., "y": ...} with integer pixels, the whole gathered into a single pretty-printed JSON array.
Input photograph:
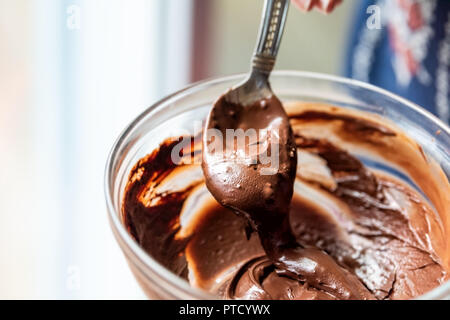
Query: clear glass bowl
[{"x": 174, "y": 115}]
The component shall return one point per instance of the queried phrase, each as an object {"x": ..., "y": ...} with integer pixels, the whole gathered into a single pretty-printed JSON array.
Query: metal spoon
[
  {"x": 240, "y": 178},
  {"x": 256, "y": 86}
]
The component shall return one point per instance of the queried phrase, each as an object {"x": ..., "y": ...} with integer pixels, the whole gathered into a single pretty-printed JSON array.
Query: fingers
[
  {"x": 305, "y": 5},
  {"x": 325, "y": 6}
]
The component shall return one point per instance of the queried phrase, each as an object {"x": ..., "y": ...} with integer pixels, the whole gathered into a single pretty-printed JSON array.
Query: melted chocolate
[
  {"x": 360, "y": 245},
  {"x": 143, "y": 211},
  {"x": 245, "y": 179},
  {"x": 265, "y": 199}
]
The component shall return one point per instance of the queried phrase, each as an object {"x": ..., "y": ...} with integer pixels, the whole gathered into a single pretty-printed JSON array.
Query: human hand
[{"x": 325, "y": 6}]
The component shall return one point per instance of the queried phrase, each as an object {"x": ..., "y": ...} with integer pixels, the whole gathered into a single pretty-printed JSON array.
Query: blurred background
[{"x": 73, "y": 74}]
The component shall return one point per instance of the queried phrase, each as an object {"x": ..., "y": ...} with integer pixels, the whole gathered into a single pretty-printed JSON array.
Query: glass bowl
[{"x": 174, "y": 115}]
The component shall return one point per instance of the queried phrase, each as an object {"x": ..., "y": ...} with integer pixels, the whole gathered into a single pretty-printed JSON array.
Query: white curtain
[{"x": 92, "y": 66}]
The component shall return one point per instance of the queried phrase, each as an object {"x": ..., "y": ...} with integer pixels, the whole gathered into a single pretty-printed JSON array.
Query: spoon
[
  {"x": 250, "y": 157},
  {"x": 250, "y": 161}
]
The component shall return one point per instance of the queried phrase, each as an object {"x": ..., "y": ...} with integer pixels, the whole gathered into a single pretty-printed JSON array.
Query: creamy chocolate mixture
[
  {"x": 353, "y": 232},
  {"x": 235, "y": 177},
  {"x": 236, "y": 174}
]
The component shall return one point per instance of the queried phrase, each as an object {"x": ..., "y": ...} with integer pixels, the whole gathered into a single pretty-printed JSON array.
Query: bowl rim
[{"x": 144, "y": 260}]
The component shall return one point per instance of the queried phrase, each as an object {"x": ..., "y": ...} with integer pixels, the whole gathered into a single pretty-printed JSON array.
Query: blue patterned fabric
[{"x": 409, "y": 54}]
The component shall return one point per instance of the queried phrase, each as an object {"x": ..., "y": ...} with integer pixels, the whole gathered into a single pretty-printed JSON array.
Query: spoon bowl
[{"x": 250, "y": 157}]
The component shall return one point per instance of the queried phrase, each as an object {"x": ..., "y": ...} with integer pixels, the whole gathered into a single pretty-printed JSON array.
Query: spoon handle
[{"x": 270, "y": 33}]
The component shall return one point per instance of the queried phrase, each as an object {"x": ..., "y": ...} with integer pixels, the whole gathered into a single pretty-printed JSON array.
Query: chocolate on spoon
[
  {"x": 250, "y": 162},
  {"x": 250, "y": 157}
]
